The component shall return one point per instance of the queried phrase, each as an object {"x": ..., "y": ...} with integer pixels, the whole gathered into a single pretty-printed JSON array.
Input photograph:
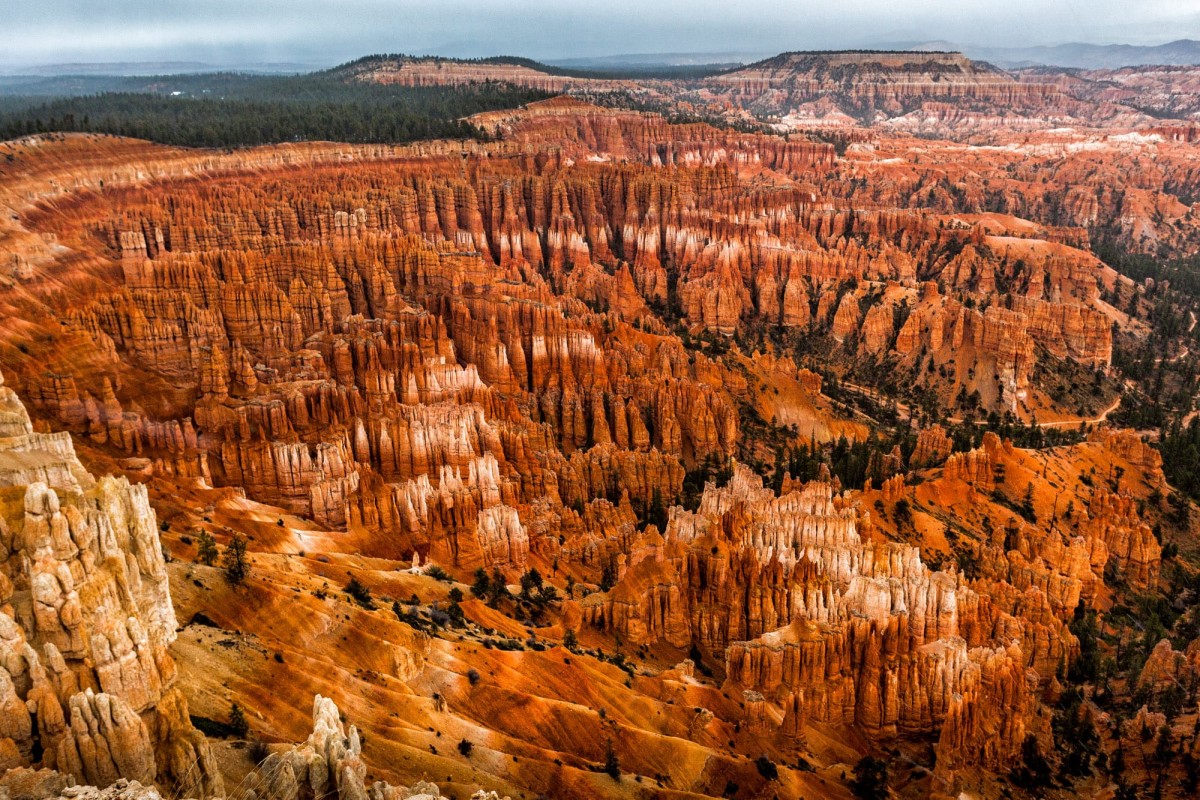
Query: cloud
[{"x": 265, "y": 30}]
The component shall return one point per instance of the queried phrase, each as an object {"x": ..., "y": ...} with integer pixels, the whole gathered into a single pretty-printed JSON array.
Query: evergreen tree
[
  {"x": 233, "y": 560},
  {"x": 482, "y": 587},
  {"x": 497, "y": 589},
  {"x": 529, "y": 581},
  {"x": 612, "y": 765},
  {"x": 237, "y": 722},
  {"x": 870, "y": 779},
  {"x": 608, "y": 576},
  {"x": 206, "y": 549}
]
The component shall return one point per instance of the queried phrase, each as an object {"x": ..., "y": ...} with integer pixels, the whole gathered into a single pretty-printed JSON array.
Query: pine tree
[
  {"x": 237, "y": 722},
  {"x": 482, "y": 587},
  {"x": 529, "y": 581},
  {"x": 497, "y": 589},
  {"x": 612, "y": 764},
  {"x": 206, "y": 549},
  {"x": 233, "y": 560},
  {"x": 1027, "y": 509},
  {"x": 870, "y": 779}
]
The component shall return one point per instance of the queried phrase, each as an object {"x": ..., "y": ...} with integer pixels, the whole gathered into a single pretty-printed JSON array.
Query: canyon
[
  {"x": 944, "y": 94},
  {"x": 605, "y": 456}
]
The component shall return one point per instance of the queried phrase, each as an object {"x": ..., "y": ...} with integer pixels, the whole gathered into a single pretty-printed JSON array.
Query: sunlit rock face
[
  {"x": 825, "y": 626},
  {"x": 530, "y": 353},
  {"x": 85, "y": 623},
  {"x": 383, "y": 338}
]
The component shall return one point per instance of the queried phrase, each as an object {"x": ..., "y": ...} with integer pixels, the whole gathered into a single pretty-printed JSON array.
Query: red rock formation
[
  {"x": 829, "y": 628},
  {"x": 940, "y": 85},
  {"x": 976, "y": 467},
  {"x": 85, "y": 623},
  {"x": 511, "y": 354},
  {"x": 933, "y": 446},
  {"x": 1113, "y": 520}
]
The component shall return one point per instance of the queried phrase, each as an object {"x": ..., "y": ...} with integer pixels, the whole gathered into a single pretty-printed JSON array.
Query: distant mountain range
[
  {"x": 653, "y": 60},
  {"x": 131, "y": 68},
  {"x": 1074, "y": 54},
  {"x": 1077, "y": 55}
]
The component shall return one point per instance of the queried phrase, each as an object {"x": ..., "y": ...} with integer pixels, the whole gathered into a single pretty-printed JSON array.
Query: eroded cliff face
[
  {"x": 85, "y": 623},
  {"x": 531, "y": 353},
  {"x": 827, "y": 627},
  {"x": 330, "y": 764},
  {"x": 427, "y": 341},
  {"x": 938, "y": 88},
  {"x": 942, "y": 93}
]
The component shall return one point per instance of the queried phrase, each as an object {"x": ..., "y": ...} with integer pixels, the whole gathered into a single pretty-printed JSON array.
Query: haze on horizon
[{"x": 322, "y": 32}]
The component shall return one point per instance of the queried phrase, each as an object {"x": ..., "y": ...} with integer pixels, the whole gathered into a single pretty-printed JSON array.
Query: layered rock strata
[
  {"x": 828, "y": 627},
  {"x": 85, "y": 623}
]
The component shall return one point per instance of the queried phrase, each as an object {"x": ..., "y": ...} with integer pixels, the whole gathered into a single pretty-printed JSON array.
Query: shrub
[
  {"x": 1034, "y": 770},
  {"x": 473, "y": 676},
  {"x": 438, "y": 574},
  {"x": 766, "y": 767},
  {"x": 360, "y": 593},
  {"x": 546, "y": 595},
  {"x": 258, "y": 751},
  {"x": 465, "y": 747},
  {"x": 870, "y": 779}
]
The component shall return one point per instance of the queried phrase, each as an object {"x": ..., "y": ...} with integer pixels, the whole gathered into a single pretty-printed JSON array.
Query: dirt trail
[
  {"x": 906, "y": 413},
  {"x": 1101, "y": 417}
]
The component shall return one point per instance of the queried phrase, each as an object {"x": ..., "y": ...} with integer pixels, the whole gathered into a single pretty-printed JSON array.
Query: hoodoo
[{"x": 430, "y": 428}]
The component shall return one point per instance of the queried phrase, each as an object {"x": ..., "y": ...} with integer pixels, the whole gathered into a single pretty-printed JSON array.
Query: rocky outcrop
[
  {"x": 122, "y": 789},
  {"x": 827, "y": 627},
  {"x": 1113, "y": 520},
  {"x": 976, "y": 467},
  {"x": 330, "y": 764},
  {"x": 1131, "y": 447},
  {"x": 933, "y": 447},
  {"x": 866, "y": 81},
  {"x": 85, "y": 622},
  {"x": 1166, "y": 668}
]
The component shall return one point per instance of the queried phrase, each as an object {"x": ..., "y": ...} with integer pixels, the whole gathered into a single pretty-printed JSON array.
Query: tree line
[{"x": 232, "y": 110}]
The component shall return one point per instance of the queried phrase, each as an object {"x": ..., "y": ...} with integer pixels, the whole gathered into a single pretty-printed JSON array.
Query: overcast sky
[{"x": 325, "y": 31}]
